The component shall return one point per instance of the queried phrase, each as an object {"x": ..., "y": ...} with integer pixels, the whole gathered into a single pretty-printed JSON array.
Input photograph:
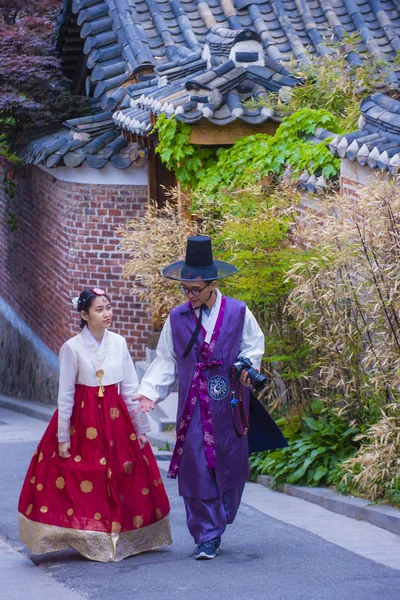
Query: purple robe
[{"x": 195, "y": 479}]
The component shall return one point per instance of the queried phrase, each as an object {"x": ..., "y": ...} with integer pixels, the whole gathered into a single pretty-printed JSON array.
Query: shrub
[
  {"x": 374, "y": 472},
  {"x": 317, "y": 445},
  {"x": 151, "y": 242}
]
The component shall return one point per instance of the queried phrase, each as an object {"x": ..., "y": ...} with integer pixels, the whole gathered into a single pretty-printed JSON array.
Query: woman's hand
[
  {"x": 142, "y": 439},
  {"x": 145, "y": 404},
  {"x": 63, "y": 449}
]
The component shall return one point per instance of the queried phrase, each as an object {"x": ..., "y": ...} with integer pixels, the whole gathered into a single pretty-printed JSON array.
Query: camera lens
[{"x": 258, "y": 380}]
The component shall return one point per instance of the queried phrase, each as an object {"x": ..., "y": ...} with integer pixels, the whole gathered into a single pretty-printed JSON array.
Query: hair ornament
[
  {"x": 75, "y": 302},
  {"x": 98, "y": 291}
]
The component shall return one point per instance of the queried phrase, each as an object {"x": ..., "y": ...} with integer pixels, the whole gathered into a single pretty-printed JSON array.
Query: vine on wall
[
  {"x": 188, "y": 161},
  {"x": 250, "y": 158}
]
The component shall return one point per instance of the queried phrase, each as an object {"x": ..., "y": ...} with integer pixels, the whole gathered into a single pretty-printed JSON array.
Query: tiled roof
[
  {"x": 93, "y": 139},
  {"x": 376, "y": 144},
  {"x": 204, "y": 60}
]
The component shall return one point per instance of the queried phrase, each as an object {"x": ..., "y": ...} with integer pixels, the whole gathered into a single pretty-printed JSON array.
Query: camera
[{"x": 258, "y": 381}]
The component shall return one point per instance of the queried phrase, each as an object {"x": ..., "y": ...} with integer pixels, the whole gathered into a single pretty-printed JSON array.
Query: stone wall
[
  {"x": 28, "y": 369},
  {"x": 65, "y": 240}
]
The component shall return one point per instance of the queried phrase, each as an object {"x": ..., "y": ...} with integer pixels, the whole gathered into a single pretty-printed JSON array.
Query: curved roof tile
[
  {"x": 188, "y": 58},
  {"x": 377, "y": 143}
]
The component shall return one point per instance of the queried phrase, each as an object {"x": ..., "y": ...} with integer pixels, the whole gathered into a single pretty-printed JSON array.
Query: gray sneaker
[{"x": 208, "y": 550}]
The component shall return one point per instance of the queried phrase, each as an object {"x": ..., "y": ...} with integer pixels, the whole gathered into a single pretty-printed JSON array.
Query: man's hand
[
  {"x": 142, "y": 439},
  {"x": 63, "y": 449},
  {"x": 145, "y": 404},
  {"x": 244, "y": 380}
]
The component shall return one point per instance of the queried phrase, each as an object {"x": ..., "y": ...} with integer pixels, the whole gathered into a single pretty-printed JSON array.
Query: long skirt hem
[
  {"x": 41, "y": 538},
  {"x": 107, "y": 499}
]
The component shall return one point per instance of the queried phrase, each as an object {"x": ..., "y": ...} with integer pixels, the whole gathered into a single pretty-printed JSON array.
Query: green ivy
[
  {"x": 189, "y": 162},
  {"x": 250, "y": 158},
  {"x": 9, "y": 162}
]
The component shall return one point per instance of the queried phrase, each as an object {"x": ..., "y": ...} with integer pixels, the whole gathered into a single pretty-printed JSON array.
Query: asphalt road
[{"x": 261, "y": 557}]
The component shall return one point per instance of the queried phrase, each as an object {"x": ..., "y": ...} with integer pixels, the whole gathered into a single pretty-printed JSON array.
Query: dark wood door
[{"x": 161, "y": 180}]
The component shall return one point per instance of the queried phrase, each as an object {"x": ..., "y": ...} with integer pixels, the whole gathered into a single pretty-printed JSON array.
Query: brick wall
[{"x": 65, "y": 240}]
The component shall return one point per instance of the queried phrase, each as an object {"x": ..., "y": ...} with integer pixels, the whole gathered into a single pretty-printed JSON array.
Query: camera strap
[{"x": 244, "y": 421}]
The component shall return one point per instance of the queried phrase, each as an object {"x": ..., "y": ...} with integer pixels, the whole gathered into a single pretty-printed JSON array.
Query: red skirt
[{"x": 107, "y": 500}]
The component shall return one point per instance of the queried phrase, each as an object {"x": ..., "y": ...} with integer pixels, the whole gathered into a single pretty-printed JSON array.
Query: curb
[
  {"x": 31, "y": 409},
  {"x": 380, "y": 515}
]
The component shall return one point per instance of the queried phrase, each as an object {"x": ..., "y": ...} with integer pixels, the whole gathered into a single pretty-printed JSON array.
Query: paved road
[{"x": 279, "y": 548}]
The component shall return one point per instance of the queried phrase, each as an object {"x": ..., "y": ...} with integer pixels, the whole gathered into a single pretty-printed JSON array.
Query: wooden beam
[{"x": 208, "y": 134}]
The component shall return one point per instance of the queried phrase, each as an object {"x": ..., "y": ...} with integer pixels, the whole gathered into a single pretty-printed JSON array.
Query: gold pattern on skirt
[
  {"x": 82, "y": 404},
  {"x": 111, "y": 442},
  {"x": 32, "y": 479},
  {"x": 36, "y": 451},
  {"x": 115, "y": 527},
  {"x": 43, "y": 509},
  {"x": 95, "y": 545},
  {"x": 147, "y": 460},
  {"x": 71, "y": 430},
  {"x": 86, "y": 486},
  {"x": 91, "y": 433},
  {"x": 160, "y": 481},
  {"x": 60, "y": 483},
  {"x": 29, "y": 509},
  {"x": 109, "y": 473},
  {"x": 155, "y": 482},
  {"x": 97, "y": 516},
  {"x": 145, "y": 491},
  {"x": 103, "y": 461},
  {"x": 70, "y": 512},
  {"x": 132, "y": 437},
  {"x": 158, "y": 514},
  {"x": 39, "y": 487},
  {"x": 137, "y": 521},
  {"x": 121, "y": 497},
  {"x": 114, "y": 413},
  {"x": 53, "y": 455},
  {"x": 40, "y": 457},
  {"x": 128, "y": 466},
  {"x": 78, "y": 458}
]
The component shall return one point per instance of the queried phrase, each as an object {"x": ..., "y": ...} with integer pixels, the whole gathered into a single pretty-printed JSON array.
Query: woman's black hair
[{"x": 85, "y": 301}]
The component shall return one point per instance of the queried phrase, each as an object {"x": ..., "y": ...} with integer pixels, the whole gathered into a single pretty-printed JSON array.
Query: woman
[{"x": 93, "y": 483}]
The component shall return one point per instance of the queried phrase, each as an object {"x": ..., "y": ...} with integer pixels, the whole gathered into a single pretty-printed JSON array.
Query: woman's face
[{"x": 99, "y": 314}]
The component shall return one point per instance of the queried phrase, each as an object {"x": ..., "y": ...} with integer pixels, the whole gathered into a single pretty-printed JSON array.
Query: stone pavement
[
  {"x": 22, "y": 579},
  {"x": 380, "y": 515}
]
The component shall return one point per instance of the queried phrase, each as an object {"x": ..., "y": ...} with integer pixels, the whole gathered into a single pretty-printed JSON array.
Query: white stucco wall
[
  {"x": 357, "y": 174},
  {"x": 108, "y": 175}
]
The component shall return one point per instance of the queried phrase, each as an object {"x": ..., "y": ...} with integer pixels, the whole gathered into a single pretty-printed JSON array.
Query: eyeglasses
[{"x": 195, "y": 291}]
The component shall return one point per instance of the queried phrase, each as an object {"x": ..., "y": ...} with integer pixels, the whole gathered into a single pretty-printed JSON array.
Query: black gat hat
[{"x": 199, "y": 263}]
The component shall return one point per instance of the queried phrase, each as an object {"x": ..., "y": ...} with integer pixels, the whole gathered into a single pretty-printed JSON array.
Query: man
[{"x": 199, "y": 343}]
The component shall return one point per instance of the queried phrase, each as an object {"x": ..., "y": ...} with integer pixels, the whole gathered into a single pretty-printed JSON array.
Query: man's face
[{"x": 198, "y": 291}]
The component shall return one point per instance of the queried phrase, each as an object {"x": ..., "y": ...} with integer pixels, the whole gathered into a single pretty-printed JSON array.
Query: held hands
[
  {"x": 145, "y": 404},
  {"x": 63, "y": 449},
  {"x": 142, "y": 439}
]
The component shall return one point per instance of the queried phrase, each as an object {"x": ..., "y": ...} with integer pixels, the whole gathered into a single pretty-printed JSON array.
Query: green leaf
[{"x": 317, "y": 406}]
